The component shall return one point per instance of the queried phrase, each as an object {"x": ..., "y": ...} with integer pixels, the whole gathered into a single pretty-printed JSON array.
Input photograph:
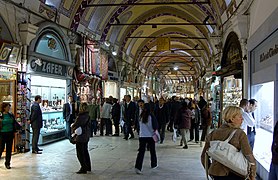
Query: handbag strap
[{"x": 231, "y": 136}]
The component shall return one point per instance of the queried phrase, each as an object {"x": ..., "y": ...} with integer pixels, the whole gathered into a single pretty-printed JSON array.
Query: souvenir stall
[
  {"x": 87, "y": 73},
  {"x": 50, "y": 70},
  {"x": 264, "y": 88},
  {"x": 12, "y": 82}
]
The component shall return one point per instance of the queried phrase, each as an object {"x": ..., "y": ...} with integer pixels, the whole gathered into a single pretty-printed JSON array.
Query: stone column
[{"x": 246, "y": 72}]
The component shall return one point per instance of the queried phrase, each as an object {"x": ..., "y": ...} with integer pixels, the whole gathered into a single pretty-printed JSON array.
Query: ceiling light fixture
[
  {"x": 107, "y": 43},
  {"x": 176, "y": 68},
  {"x": 114, "y": 53}
]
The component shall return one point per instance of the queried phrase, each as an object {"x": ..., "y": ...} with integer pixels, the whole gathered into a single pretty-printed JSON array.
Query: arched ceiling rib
[{"x": 123, "y": 23}]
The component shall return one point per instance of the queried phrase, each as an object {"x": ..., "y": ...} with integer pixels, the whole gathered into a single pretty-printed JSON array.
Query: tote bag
[{"x": 228, "y": 155}]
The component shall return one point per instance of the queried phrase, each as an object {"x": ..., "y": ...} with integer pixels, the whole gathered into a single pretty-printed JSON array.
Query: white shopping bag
[
  {"x": 175, "y": 135},
  {"x": 122, "y": 123}
]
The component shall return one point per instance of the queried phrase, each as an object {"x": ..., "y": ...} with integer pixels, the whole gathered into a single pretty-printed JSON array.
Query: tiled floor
[{"x": 111, "y": 157}]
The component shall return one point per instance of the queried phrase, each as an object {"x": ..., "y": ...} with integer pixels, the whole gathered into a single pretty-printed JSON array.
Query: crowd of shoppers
[{"x": 145, "y": 117}]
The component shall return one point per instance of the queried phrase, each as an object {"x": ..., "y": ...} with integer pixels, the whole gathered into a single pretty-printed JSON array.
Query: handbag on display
[
  {"x": 229, "y": 156},
  {"x": 156, "y": 136}
]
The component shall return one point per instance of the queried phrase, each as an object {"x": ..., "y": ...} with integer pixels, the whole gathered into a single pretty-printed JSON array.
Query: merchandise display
[
  {"x": 53, "y": 93},
  {"x": 232, "y": 93}
]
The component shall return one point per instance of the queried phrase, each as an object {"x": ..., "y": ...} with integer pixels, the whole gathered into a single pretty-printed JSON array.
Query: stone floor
[{"x": 111, "y": 157}]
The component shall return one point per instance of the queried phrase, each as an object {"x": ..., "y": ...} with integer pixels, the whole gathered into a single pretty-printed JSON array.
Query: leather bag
[{"x": 228, "y": 155}]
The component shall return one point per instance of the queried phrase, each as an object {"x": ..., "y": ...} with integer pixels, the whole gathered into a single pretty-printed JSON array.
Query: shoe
[
  {"x": 197, "y": 142},
  {"x": 39, "y": 149},
  {"x": 181, "y": 144},
  {"x": 36, "y": 152},
  {"x": 81, "y": 172},
  {"x": 155, "y": 167},
  {"x": 126, "y": 138},
  {"x": 185, "y": 147},
  {"x": 138, "y": 171},
  {"x": 8, "y": 166},
  {"x": 190, "y": 140},
  {"x": 131, "y": 137},
  {"x": 115, "y": 135}
]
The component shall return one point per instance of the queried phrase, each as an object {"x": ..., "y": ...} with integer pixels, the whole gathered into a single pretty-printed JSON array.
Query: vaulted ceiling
[{"x": 140, "y": 31}]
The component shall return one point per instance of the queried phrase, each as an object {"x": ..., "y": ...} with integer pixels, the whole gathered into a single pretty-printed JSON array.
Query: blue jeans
[
  {"x": 251, "y": 139},
  {"x": 273, "y": 173}
]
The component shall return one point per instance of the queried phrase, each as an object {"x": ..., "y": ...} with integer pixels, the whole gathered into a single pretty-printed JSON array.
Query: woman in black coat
[{"x": 82, "y": 140}]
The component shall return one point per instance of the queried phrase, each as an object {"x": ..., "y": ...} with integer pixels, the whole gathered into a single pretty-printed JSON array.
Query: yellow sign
[{"x": 163, "y": 44}]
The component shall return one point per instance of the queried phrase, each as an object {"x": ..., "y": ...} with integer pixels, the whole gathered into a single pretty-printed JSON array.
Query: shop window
[
  {"x": 264, "y": 114},
  {"x": 50, "y": 45}
]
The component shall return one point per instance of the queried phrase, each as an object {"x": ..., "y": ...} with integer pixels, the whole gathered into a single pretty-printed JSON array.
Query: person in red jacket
[{"x": 183, "y": 121}]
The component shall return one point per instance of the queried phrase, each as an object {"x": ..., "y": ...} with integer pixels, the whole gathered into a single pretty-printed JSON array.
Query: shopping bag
[
  {"x": 174, "y": 136},
  {"x": 228, "y": 155},
  {"x": 156, "y": 136}
]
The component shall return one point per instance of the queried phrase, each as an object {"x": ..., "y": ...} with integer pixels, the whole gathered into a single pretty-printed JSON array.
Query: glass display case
[
  {"x": 53, "y": 92},
  {"x": 232, "y": 91},
  {"x": 264, "y": 94}
]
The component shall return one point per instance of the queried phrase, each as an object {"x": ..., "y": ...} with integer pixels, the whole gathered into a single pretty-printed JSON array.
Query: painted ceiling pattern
[{"x": 133, "y": 29}]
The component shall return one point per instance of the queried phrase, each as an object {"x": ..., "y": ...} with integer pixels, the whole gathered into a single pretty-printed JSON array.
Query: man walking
[
  {"x": 36, "y": 124},
  {"x": 129, "y": 115}
]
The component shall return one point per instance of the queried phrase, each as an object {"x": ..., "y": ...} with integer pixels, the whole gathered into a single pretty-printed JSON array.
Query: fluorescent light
[
  {"x": 114, "y": 53},
  {"x": 107, "y": 43},
  {"x": 176, "y": 68}
]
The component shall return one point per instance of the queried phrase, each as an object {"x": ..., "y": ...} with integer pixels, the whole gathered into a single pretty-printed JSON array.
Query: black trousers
[
  {"x": 93, "y": 127},
  {"x": 194, "y": 129},
  {"x": 35, "y": 138},
  {"x": 6, "y": 138},
  {"x": 68, "y": 129},
  {"x": 108, "y": 126},
  {"x": 143, "y": 141},
  {"x": 161, "y": 131},
  {"x": 83, "y": 156},
  {"x": 128, "y": 130}
]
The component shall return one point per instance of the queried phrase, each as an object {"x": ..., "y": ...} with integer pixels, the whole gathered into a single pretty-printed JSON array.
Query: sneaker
[
  {"x": 138, "y": 171},
  {"x": 185, "y": 147},
  {"x": 155, "y": 167}
]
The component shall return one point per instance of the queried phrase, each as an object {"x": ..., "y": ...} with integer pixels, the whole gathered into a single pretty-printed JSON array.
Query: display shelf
[{"x": 53, "y": 126}]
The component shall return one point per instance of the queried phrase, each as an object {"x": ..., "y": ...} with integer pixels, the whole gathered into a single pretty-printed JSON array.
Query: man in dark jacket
[
  {"x": 36, "y": 124},
  {"x": 161, "y": 114},
  {"x": 129, "y": 116},
  {"x": 116, "y": 115},
  {"x": 69, "y": 115}
]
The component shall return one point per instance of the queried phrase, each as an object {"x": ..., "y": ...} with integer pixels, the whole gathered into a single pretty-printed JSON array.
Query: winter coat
[
  {"x": 83, "y": 121},
  {"x": 183, "y": 120}
]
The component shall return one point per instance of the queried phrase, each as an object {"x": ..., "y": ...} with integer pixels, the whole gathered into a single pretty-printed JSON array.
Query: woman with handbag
[
  {"x": 232, "y": 117},
  {"x": 83, "y": 121},
  {"x": 8, "y": 127},
  {"x": 148, "y": 125}
]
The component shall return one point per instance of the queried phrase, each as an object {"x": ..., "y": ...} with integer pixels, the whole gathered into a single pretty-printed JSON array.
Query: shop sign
[
  {"x": 265, "y": 54},
  {"x": 269, "y": 53},
  {"x": 39, "y": 65}
]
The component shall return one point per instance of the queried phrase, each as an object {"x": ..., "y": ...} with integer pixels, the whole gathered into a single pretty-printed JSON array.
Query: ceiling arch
[{"x": 123, "y": 23}]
